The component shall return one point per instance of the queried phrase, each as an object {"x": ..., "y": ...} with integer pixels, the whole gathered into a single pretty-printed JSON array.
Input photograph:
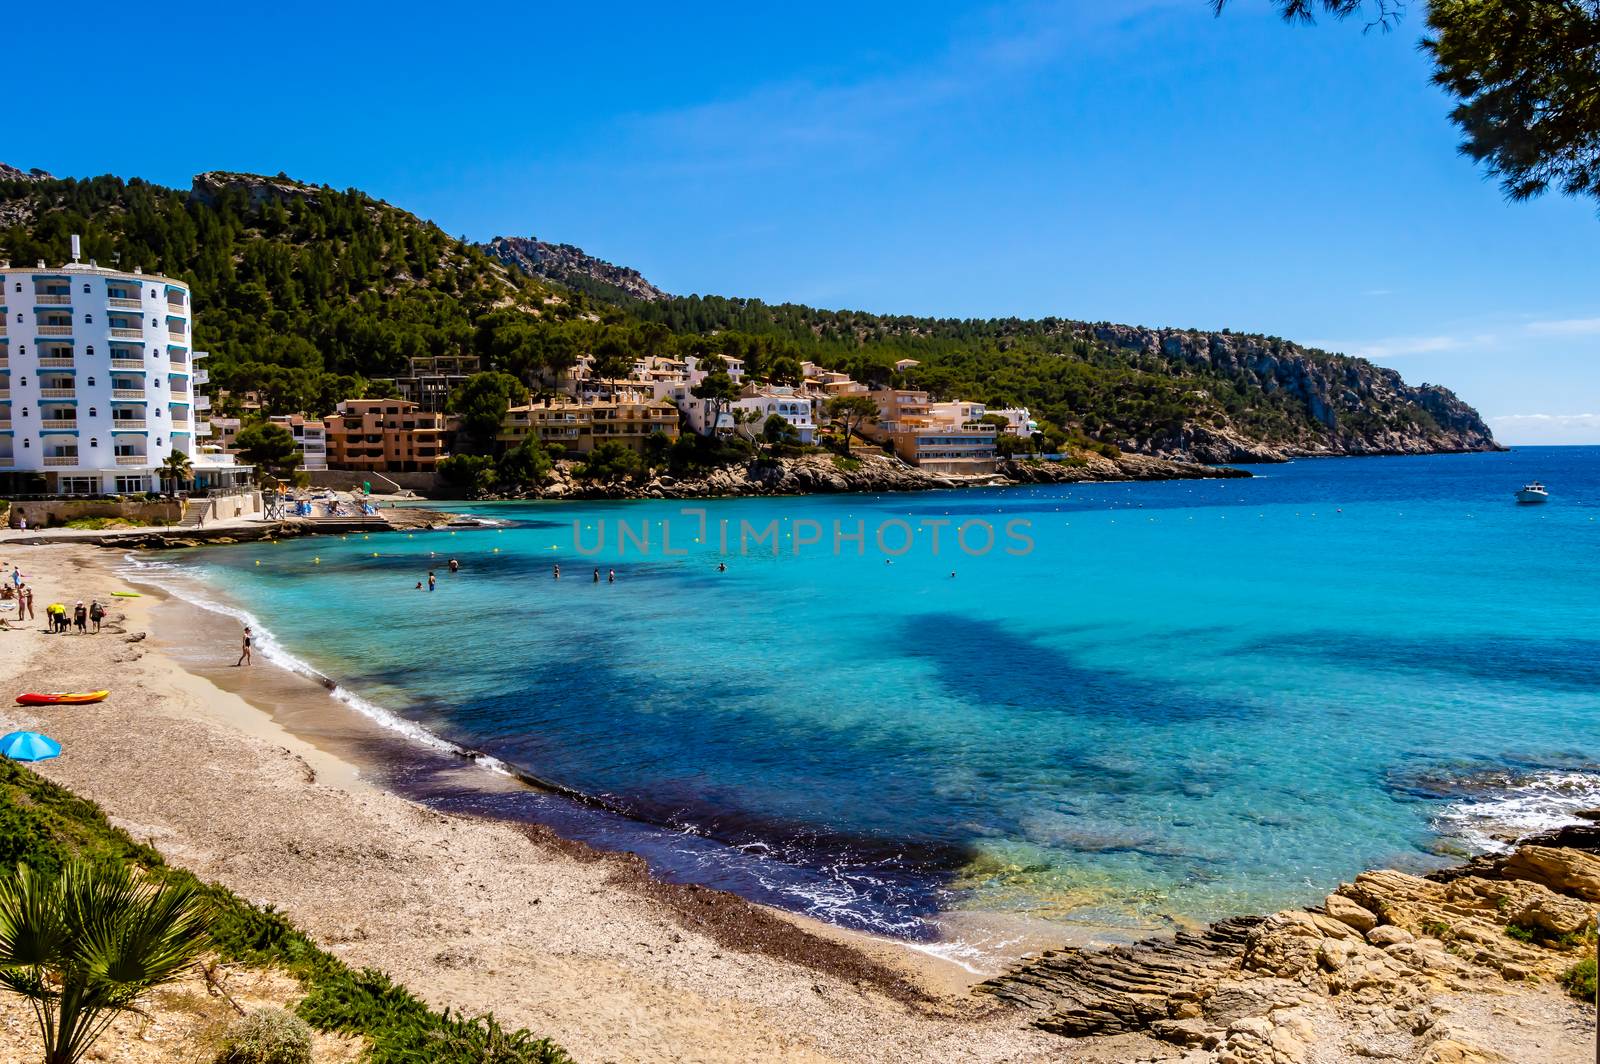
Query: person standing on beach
[
  {"x": 16, "y": 576},
  {"x": 244, "y": 650},
  {"x": 80, "y": 617},
  {"x": 97, "y": 613},
  {"x": 22, "y": 522},
  {"x": 27, "y": 600}
]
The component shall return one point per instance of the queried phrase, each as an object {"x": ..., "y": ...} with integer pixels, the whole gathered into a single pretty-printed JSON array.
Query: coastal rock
[
  {"x": 1389, "y": 935},
  {"x": 1565, "y": 870},
  {"x": 1346, "y": 911},
  {"x": 1380, "y": 950}
]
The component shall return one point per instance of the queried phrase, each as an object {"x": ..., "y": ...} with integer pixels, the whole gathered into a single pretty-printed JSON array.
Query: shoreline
[{"x": 229, "y": 789}]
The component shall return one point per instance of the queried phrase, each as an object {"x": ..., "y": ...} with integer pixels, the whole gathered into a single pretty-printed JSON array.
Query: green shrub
[
  {"x": 266, "y": 1036},
  {"x": 43, "y": 826},
  {"x": 1579, "y": 979}
]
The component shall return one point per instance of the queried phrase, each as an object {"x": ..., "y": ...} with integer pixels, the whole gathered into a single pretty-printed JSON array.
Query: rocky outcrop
[
  {"x": 1351, "y": 406},
  {"x": 11, "y": 173},
  {"x": 1377, "y": 956},
  {"x": 209, "y": 187},
  {"x": 568, "y": 265}
]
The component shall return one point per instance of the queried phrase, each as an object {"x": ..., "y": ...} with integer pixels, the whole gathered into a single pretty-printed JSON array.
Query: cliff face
[
  {"x": 568, "y": 265},
  {"x": 1353, "y": 406}
]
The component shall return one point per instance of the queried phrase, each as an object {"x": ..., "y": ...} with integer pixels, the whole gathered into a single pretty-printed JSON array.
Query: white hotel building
[{"x": 99, "y": 383}]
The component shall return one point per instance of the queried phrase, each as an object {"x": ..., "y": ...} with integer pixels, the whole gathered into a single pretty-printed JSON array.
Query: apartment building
[
  {"x": 581, "y": 427},
  {"x": 943, "y": 449},
  {"x": 386, "y": 436},
  {"x": 99, "y": 381}
]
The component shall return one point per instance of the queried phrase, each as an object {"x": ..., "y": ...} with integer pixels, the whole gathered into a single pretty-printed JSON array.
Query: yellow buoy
[
  {"x": 258, "y": 561},
  {"x": 374, "y": 554},
  {"x": 316, "y": 561},
  {"x": 497, "y": 550}
]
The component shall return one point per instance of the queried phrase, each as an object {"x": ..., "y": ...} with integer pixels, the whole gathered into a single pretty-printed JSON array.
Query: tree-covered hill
[
  {"x": 1216, "y": 396},
  {"x": 310, "y": 295}
]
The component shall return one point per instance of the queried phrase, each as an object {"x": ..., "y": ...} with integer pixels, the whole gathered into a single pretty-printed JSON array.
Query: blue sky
[{"x": 1136, "y": 161}]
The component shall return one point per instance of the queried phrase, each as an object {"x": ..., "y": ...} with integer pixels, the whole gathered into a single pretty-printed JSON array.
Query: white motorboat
[{"x": 1534, "y": 492}]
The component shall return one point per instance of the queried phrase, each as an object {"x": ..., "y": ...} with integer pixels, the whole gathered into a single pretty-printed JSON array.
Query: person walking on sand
[
  {"x": 22, "y": 523},
  {"x": 97, "y": 613},
  {"x": 244, "y": 649},
  {"x": 80, "y": 617}
]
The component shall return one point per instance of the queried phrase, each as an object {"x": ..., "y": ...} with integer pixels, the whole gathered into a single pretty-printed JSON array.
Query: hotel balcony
[
  {"x": 178, "y": 336},
  {"x": 55, "y": 362},
  {"x": 58, "y": 393},
  {"x": 133, "y": 459},
  {"x": 122, "y": 363},
  {"x": 202, "y": 402},
  {"x": 54, "y": 330},
  {"x": 202, "y": 428},
  {"x": 7, "y": 461},
  {"x": 127, "y": 334},
  {"x": 124, "y": 303},
  {"x": 128, "y": 423},
  {"x": 52, "y": 299},
  {"x": 201, "y": 354},
  {"x": 58, "y": 423},
  {"x": 5, "y": 423},
  {"x": 60, "y": 459},
  {"x": 5, "y": 395},
  {"x": 202, "y": 376},
  {"x": 123, "y": 393}
]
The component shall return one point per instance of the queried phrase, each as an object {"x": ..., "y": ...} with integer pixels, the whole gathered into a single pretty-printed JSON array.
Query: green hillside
[{"x": 309, "y": 295}]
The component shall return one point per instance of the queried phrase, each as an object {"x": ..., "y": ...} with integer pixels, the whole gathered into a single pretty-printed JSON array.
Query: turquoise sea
[{"x": 1187, "y": 700}]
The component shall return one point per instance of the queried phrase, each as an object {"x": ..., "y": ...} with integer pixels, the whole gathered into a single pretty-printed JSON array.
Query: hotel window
[
  {"x": 85, "y": 289},
  {"x": 88, "y": 319}
]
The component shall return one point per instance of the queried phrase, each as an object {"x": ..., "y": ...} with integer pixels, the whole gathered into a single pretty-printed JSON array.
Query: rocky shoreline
[
  {"x": 1377, "y": 961},
  {"x": 826, "y": 474}
]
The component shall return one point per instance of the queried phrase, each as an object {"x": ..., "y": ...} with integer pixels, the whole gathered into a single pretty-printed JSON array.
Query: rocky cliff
[
  {"x": 1354, "y": 407},
  {"x": 568, "y": 265}
]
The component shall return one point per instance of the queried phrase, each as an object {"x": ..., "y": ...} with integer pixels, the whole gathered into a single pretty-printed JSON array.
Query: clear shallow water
[{"x": 1189, "y": 699}]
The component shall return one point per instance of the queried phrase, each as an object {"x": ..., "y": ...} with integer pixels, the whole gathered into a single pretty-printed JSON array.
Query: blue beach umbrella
[{"x": 28, "y": 746}]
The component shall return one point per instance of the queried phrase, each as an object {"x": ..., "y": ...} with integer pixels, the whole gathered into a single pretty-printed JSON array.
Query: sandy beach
[
  {"x": 257, "y": 779},
  {"x": 480, "y": 916}
]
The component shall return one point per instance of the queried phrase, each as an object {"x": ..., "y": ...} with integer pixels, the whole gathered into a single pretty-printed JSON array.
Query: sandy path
[{"x": 470, "y": 914}]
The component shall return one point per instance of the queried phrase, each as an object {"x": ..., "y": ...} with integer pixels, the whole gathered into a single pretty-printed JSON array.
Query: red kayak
[{"x": 62, "y": 698}]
